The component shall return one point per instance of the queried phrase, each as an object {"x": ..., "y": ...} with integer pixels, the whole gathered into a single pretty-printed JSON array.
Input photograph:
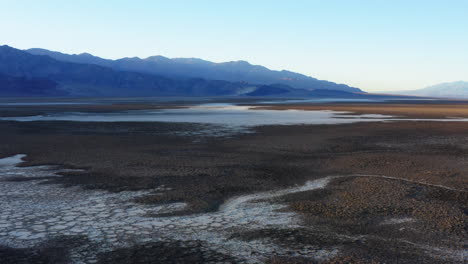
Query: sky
[{"x": 375, "y": 45}]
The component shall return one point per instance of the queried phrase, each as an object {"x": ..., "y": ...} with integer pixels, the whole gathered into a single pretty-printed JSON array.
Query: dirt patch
[
  {"x": 165, "y": 253},
  {"x": 56, "y": 250},
  {"x": 418, "y": 110}
]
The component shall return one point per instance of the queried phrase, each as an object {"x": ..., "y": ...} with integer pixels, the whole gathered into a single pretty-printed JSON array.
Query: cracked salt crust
[
  {"x": 396, "y": 221},
  {"x": 33, "y": 213}
]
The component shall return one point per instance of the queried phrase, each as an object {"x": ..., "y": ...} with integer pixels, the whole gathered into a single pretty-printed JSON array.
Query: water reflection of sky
[
  {"x": 223, "y": 114},
  {"x": 220, "y": 114}
]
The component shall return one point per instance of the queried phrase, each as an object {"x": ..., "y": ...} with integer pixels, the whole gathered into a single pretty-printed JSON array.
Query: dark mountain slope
[{"x": 21, "y": 86}]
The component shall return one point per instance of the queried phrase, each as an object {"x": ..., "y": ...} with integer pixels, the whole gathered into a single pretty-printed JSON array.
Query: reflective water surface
[{"x": 221, "y": 114}]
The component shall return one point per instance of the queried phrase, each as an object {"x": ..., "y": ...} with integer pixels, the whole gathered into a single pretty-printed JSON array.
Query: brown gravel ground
[
  {"x": 351, "y": 212},
  {"x": 418, "y": 110}
]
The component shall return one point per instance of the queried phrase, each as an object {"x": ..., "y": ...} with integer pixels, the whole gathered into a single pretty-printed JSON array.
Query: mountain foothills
[
  {"x": 450, "y": 89},
  {"x": 39, "y": 72}
]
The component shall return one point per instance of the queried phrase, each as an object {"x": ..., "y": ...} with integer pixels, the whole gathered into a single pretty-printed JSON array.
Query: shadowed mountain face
[
  {"x": 450, "y": 89},
  {"x": 234, "y": 71},
  {"x": 20, "y": 86},
  {"x": 25, "y": 74}
]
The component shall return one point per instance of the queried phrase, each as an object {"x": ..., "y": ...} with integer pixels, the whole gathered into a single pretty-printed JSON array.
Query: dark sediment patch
[
  {"x": 21, "y": 179},
  {"x": 55, "y": 251},
  {"x": 300, "y": 236},
  {"x": 370, "y": 252},
  {"x": 165, "y": 253}
]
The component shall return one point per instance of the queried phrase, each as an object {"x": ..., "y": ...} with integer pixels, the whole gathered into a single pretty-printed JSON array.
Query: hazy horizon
[{"x": 375, "y": 46}]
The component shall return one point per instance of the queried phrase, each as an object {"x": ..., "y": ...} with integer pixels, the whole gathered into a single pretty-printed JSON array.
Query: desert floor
[{"x": 95, "y": 192}]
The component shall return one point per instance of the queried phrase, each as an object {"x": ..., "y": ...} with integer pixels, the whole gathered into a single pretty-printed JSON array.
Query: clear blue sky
[{"x": 372, "y": 44}]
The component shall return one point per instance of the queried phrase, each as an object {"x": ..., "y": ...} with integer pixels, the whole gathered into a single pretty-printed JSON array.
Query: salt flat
[{"x": 34, "y": 212}]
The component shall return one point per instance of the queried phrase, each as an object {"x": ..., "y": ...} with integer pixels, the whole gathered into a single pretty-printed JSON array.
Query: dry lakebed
[{"x": 233, "y": 183}]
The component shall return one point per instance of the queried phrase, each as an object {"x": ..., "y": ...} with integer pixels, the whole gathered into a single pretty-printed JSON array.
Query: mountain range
[
  {"x": 234, "y": 71},
  {"x": 77, "y": 79},
  {"x": 41, "y": 72},
  {"x": 457, "y": 89},
  {"x": 44, "y": 73}
]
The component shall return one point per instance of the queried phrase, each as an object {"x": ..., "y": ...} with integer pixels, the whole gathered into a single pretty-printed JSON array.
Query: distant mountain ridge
[
  {"x": 457, "y": 89},
  {"x": 25, "y": 74},
  {"x": 234, "y": 71}
]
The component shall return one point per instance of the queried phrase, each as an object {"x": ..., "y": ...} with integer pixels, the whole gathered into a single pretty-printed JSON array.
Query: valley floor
[{"x": 94, "y": 192}]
